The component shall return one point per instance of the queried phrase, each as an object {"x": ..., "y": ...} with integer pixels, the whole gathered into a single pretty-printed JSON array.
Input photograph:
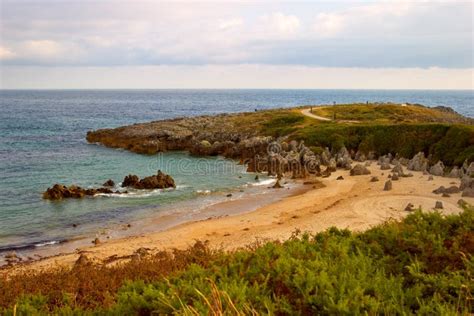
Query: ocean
[{"x": 42, "y": 142}]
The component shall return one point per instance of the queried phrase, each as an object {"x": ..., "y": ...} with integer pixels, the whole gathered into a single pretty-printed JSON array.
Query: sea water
[{"x": 42, "y": 142}]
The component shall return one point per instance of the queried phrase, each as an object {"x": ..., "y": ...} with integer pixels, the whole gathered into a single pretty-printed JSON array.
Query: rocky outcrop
[
  {"x": 158, "y": 181},
  {"x": 437, "y": 169},
  {"x": 418, "y": 162},
  {"x": 59, "y": 191},
  {"x": 359, "y": 170},
  {"x": 451, "y": 190}
]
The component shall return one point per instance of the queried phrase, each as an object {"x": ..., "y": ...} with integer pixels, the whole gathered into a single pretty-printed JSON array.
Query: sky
[{"x": 417, "y": 44}]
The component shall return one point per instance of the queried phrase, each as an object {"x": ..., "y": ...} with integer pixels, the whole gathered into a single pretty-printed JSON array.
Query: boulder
[
  {"x": 359, "y": 170},
  {"x": 277, "y": 185},
  {"x": 409, "y": 207},
  {"x": 438, "y": 205},
  {"x": 109, "y": 183},
  {"x": 385, "y": 166},
  {"x": 158, "y": 181},
  {"x": 418, "y": 162},
  {"x": 130, "y": 181},
  {"x": 398, "y": 169},
  {"x": 437, "y": 169},
  {"x": 387, "y": 186},
  {"x": 466, "y": 182},
  {"x": 442, "y": 190},
  {"x": 455, "y": 173},
  {"x": 468, "y": 192},
  {"x": 59, "y": 191},
  {"x": 395, "y": 177},
  {"x": 374, "y": 179},
  {"x": 340, "y": 178}
]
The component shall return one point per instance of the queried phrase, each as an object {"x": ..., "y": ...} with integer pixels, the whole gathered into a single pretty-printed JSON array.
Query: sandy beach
[{"x": 355, "y": 203}]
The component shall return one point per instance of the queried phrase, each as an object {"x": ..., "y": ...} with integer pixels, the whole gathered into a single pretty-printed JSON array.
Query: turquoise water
[{"x": 42, "y": 142}]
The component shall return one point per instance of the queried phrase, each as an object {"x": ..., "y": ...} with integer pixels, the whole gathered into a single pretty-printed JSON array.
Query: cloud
[
  {"x": 340, "y": 34},
  {"x": 6, "y": 53},
  {"x": 281, "y": 24},
  {"x": 230, "y": 23}
]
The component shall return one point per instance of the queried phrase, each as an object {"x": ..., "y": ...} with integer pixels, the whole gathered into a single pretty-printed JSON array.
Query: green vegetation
[
  {"x": 382, "y": 131},
  {"x": 388, "y": 113},
  {"x": 422, "y": 265}
]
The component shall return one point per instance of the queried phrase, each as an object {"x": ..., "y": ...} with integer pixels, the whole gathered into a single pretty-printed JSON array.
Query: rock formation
[
  {"x": 158, "y": 181},
  {"x": 359, "y": 170}
]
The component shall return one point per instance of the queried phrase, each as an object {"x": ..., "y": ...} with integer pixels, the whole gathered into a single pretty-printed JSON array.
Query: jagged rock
[
  {"x": 418, "y": 162},
  {"x": 359, "y": 170},
  {"x": 451, "y": 190},
  {"x": 343, "y": 159},
  {"x": 374, "y": 179},
  {"x": 468, "y": 192},
  {"x": 438, "y": 205},
  {"x": 360, "y": 157},
  {"x": 109, "y": 183},
  {"x": 409, "y": 207},
  {"x": 437, "y": 169},
  {"x": 277, "y": 185},
  {"x": 83, "y": 260},
  {"x": 403, "y": 161},
  {"x": 158, "y": 181},
  {"x": 130, "y": 181},
  {"x": 398, "y": 169},
  {"x": 387, "y": 186},
  {"x": 331, "y": 167},
  {"x": 468, "y": 169},
  {"x": 455, "y": 173},
  {"x": 466, "y": 182},
  {"x": 59, "y": 191}
]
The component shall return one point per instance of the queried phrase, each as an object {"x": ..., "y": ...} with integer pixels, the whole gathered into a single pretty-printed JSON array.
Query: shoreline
[
  {"x": 354, "y": 203},
  {"x": 181, "y": 213}
]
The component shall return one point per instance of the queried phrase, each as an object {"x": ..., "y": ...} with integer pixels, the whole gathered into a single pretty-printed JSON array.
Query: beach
[{"x": 354, "y": 203}]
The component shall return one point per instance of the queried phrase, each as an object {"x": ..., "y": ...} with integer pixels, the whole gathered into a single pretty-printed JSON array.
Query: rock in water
[
  {"x": 359, "y": 170},
  {"x": 388, "y": 186},
  {"x": 277, "y": 185},
  {"x": 130, "y": 181},
  {"x": 109, "y": 183},
  {"x": 158, "y": 181},
  {"x": 59, "y": 191}
]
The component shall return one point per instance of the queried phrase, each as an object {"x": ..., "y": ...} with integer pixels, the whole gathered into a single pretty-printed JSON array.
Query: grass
[
  {"x": 421, "y": 265},
  {"x": 451, "y": 143},
  {"x": 386, "y": 113}
]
